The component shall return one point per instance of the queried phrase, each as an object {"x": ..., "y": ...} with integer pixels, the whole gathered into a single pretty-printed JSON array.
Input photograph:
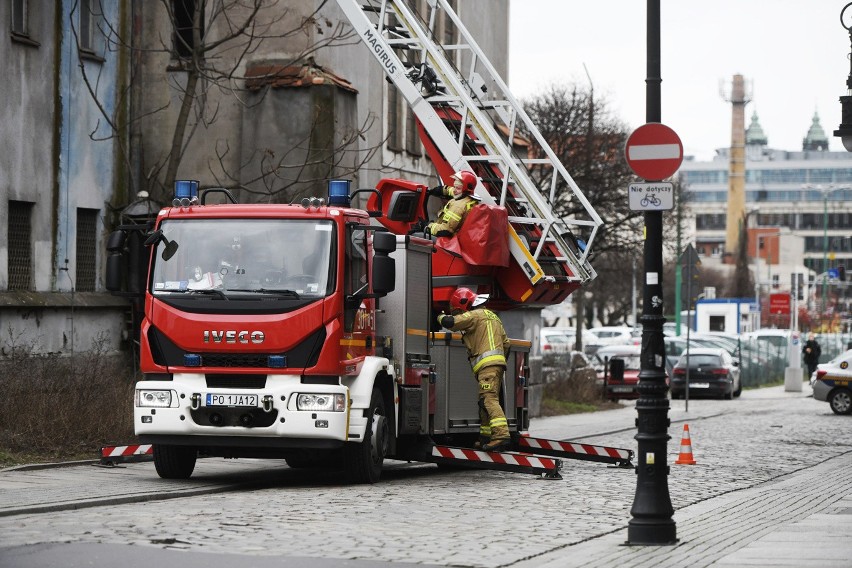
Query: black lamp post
[
  {"x": 844, "y": 132},
  {"x": 652, "y": 511}
]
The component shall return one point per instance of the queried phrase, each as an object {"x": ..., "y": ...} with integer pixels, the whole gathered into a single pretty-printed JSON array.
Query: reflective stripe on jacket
[{"x": 484, "y": 337}]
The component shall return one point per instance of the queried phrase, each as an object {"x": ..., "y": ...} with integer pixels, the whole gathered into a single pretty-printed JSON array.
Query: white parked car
[
  {"x": 615, "y": 335},
  {"x": 563, "y": 340}
]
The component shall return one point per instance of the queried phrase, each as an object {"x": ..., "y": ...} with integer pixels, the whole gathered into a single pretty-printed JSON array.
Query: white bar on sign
[{"x": 654, "y": 152}]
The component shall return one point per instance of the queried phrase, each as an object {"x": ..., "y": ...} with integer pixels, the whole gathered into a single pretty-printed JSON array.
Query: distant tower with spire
[
  {"x": 756, "y": 141},
  {"x": 816, "y": 138}
]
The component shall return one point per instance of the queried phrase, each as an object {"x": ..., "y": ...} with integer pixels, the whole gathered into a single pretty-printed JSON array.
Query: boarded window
[
  {"x": 19, "y": 17},
  {"x": 395, "y": 121},
  {"x": 412, "y": 140},
  {"x": 184, "y": 14},
  {"x": 20, "y": 245},
  {"x": 87, "y": 229}
]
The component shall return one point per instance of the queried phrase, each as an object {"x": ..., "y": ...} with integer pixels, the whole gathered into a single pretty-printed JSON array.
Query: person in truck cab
[
  {"x": 461, "y": 200},
  {"x": 487, "y": 348}
]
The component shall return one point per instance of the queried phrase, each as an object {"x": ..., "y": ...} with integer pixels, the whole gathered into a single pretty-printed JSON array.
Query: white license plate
[
  {"x": 699, "y": 385},
  {"x": 622, "y": 389},
  {"x": 230, "y": 399}
]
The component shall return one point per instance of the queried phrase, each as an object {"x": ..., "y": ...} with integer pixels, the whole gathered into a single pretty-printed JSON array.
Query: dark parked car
[{"x": 712, "y": 373}]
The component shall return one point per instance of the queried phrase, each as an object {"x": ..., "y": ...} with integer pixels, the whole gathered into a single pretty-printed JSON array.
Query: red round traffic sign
[{"x": 654, "y": 151}]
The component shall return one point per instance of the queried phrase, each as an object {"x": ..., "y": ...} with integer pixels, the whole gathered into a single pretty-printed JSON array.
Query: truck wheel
[
  {"x": 174, "y": 462},
  {"x": 362, "y": 461},
  {"x": 841, "y": 401}
]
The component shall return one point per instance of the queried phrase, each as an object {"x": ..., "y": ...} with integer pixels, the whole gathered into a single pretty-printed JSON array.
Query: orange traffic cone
[{"x": 685, "y": 456}]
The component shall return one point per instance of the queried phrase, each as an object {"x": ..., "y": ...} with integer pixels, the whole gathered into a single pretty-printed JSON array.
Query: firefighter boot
[{"x": 484, "y": 427}]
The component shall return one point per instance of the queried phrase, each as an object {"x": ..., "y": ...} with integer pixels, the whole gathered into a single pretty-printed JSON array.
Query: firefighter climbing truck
[{"x": 307, "y": 331}]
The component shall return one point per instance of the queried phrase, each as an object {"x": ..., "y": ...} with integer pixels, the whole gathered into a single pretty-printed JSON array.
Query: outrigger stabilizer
[{"x": 527, "y": 455}]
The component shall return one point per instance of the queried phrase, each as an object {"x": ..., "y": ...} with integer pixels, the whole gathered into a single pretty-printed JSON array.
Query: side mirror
[
  {"x": 384, "y": 267},
  {"x": 384, "y": 243},
  {"x": 115, "y": 260},
  {"x": 157, "y": 236}
]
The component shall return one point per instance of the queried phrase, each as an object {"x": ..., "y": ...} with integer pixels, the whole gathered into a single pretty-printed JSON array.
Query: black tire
[
  {"x": 174, "y": 462},
  {"x": 841, "y": 401},
  {"x": 362, "y": 461}
]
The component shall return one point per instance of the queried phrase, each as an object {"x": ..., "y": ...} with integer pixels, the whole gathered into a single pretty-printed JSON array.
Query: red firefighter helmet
[
  {"x": 468, "y": 181},
  {"x": 462, "y": 299}
]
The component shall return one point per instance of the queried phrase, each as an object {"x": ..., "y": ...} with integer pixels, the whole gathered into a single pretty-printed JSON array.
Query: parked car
[
  {"x": 712, "y": 372},
  {"x": 563, "y": 340},
  {"x": 615, "y": 335},
  {"x": 676, "y": 346},
  {"x": 831, "y": 383},
  {"x": 555, "y": 341},
  {"x": 614, "y": 387}
]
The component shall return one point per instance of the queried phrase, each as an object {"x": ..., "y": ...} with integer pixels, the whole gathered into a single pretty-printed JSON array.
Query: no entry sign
[{"x": 654, "y": 151}]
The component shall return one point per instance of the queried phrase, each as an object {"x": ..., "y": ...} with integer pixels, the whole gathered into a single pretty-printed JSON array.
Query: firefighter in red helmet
[
  {"x": 461, "y": 200},
  {"x": 487, "y": 349}
]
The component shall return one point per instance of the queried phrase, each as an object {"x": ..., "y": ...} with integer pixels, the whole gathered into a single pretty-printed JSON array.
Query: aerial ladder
[{"x": 468, "y": 119}]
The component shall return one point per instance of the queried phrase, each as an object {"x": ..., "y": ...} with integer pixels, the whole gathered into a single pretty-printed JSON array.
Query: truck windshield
[{"x": 232, "y": 258}]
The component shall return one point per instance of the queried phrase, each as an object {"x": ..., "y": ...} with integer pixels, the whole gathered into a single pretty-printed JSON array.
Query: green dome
[
  {"x": 754, "y": 133},
  {"x": 816, "y": 138}
]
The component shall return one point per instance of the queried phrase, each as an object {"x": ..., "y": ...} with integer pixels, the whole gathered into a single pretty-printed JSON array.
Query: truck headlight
[
  {"x": 147, "y": 398},
  {"x": 321, "y": 402}
]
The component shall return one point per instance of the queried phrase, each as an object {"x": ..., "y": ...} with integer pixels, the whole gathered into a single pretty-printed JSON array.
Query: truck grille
[
  {"x": 258, "y": 360},
  {"x": 235, "y": 381}
]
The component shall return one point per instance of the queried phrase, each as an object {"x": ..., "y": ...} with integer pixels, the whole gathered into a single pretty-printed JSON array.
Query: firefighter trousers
[{"x": 492, "y": 420}]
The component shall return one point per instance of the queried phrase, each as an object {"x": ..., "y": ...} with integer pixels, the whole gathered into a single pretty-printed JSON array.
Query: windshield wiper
[
  {"x": 286, "y": 293},
  {"x": 209, "y": 292}
]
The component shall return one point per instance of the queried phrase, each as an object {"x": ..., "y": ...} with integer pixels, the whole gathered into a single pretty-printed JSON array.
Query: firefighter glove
[
  {"x": 446, "y": 321},
  {"x": 437, "y": 191}
]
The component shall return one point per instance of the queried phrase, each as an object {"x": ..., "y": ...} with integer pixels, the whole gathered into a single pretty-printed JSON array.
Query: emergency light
[
  {"x": 186, "y": 193},
  {"x": 192, "y": 360},
  {"x": 338, "y": 192}
]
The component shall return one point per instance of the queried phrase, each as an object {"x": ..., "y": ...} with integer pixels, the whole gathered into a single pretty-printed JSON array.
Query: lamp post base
[{"x": 793, "y": 379}]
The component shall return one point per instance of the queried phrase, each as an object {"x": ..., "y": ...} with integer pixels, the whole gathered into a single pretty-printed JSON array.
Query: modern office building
[{"x": 795, "y": 200}]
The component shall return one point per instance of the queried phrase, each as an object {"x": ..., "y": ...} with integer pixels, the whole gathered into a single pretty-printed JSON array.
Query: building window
[
  {"x": 20, "y": 17},
  {"x": 412, "y": 140},
  {"x": 19, "y": 237},
  {"x": 183, "y": 12},
  {"x": 395, "y": 119},
  {"x": 87, "y": 229}
]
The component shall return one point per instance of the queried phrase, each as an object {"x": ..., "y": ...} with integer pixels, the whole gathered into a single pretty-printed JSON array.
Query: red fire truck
[{"x": 307, "y": 332}]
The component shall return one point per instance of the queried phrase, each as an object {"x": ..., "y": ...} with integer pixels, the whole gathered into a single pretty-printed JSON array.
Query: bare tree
[
  {"x": 206, "y": 49},
  {"x": 589, "y": 141}
]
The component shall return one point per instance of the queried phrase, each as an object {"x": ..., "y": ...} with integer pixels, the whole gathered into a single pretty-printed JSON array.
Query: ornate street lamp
[{"x": 844, "y": 131}]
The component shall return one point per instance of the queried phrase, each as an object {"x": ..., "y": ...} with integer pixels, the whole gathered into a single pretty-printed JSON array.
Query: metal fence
[{"x": 762, "y": 363}]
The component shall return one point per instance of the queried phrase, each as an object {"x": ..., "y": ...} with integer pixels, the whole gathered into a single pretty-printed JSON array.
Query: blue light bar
[
  {"x": 338, "y": 192},
  {"x": 191, "y": 360},
  {"x": 276, "y": 361},
  {"x": 186, "y": 191}
]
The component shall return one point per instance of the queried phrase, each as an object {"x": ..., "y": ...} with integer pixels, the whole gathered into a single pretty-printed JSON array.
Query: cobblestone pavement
[{"x": 763, "y": 462}]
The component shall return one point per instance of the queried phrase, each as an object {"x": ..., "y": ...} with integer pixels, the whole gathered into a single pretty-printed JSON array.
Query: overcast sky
[{"x": 792, "y": 53}]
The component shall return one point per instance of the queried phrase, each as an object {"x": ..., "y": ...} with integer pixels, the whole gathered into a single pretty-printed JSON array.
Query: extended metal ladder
[{"x": 474, "y": 121}]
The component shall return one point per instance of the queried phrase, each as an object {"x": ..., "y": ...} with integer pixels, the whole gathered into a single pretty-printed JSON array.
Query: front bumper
[{"x": 185, "y": 416}]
